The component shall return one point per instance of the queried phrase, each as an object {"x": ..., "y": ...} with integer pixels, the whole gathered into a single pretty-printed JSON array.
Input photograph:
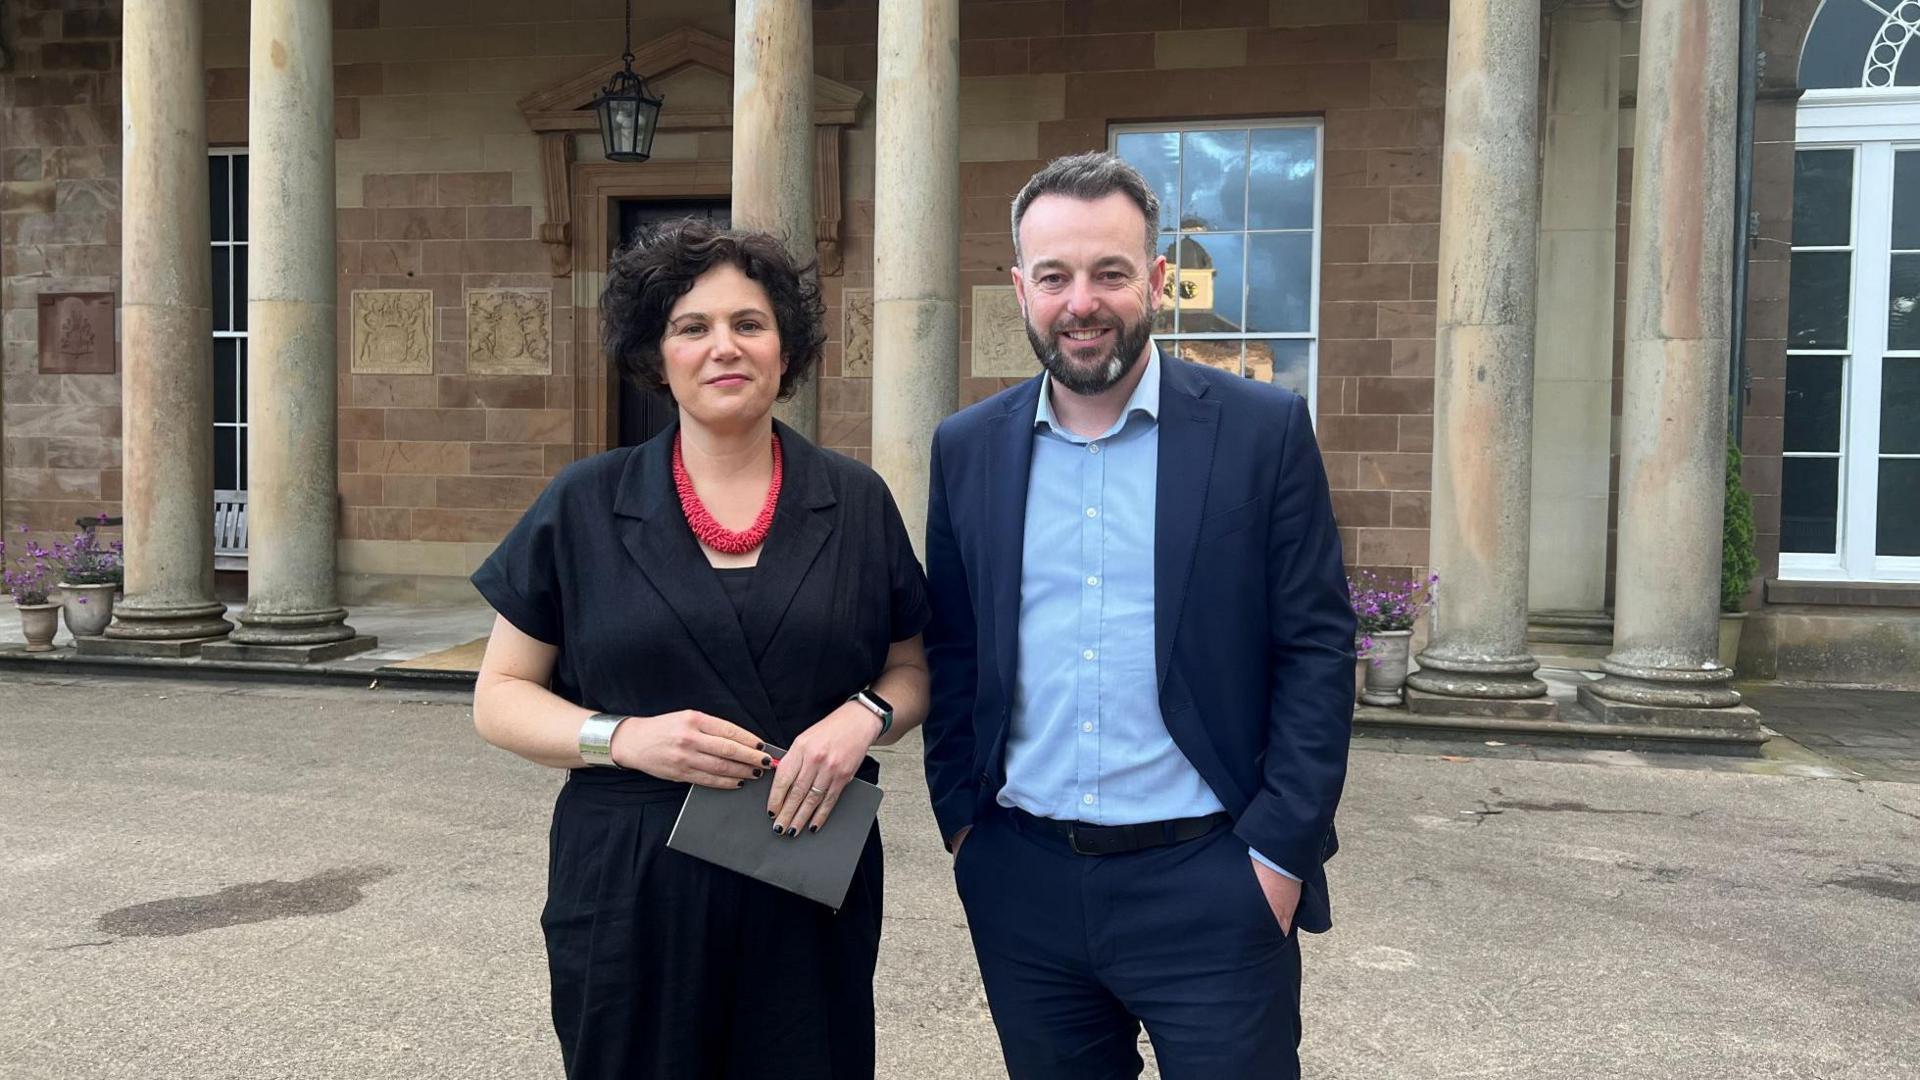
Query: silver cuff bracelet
[{"x": 596, "y": 738}]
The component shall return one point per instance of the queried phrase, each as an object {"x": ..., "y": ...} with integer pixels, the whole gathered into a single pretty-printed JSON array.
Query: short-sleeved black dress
[{"x": 664, "y": 966}]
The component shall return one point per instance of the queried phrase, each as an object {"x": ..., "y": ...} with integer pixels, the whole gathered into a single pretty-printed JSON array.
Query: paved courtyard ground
[{"x": 214, "y": 881}]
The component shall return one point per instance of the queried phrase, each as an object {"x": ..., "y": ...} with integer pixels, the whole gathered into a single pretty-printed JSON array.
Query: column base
[
  {"x": 293, "y": 628},
  {"x": 1673, "y": 688},
  {"x": 1737, "y": 724},
  {"x": 134, "y": 621},
  {"x": 1504, "y": 679},
  {"x": 1423, "y": 703},
  {"x": 313, "y": 653},
  {"x": 145, "y": 649}
]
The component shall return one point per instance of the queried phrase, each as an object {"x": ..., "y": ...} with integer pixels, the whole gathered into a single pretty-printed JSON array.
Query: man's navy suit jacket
[{"x": 1253, "y": 631}]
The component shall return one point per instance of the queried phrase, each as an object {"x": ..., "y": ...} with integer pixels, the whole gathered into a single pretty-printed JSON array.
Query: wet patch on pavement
[{"x": 324, "y": 893}]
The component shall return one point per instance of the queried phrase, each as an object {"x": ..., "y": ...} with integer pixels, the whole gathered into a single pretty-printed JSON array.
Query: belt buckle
[{"x": 1073, "y": 840}]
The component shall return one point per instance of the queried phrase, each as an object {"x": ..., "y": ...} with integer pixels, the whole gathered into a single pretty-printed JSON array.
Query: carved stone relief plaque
[
  {"x": 76, "y": 334},
  {"x": 392, "y": 332},
  {"x": 509, "y": 331},
  {"x": 856, "y": 333},
  {"x": 1000, "y": 347}
]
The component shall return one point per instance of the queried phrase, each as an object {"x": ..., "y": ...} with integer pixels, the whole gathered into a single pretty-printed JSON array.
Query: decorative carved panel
[
  {"x": 1000, "y": 346},
  {"x": 76, "y": 334},
  {"x": 510, "y": 332},
  {"x": 856, "y": 333},
  {"x": 392, "y": 331}
]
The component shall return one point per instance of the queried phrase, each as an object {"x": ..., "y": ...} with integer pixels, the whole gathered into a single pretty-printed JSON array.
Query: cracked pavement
[{"x": 206, "y": 880}]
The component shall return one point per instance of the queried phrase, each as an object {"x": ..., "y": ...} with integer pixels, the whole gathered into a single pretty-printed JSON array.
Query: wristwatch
[
  {"x": 596, "y": 738},
  {"x": 878, "y": 706}
]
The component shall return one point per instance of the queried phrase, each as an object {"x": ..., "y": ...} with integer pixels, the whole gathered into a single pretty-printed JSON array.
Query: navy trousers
[{"x": 1079, "y": 951}]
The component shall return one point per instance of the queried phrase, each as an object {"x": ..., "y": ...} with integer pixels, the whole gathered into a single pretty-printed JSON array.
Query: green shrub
[{"x": 1737, "y": 562}]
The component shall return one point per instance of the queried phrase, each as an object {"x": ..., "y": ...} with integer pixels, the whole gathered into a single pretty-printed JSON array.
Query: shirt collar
[{"x": 1145, "y": 399}]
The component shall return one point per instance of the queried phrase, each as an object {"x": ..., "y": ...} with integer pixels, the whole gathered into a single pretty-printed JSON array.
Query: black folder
[{"x": 729, "y": 827}]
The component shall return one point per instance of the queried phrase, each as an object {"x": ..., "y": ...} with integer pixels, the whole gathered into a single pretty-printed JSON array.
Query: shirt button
[
  {"x": 1093, "y": 511},
  {"x": 1093, "y": 580},
  {"x": 1087, "y": 654},
  {"x": 1093, "y": 448},
  {"x": 1088, "y": 726},
  {"x": 1088, "y": 799}
]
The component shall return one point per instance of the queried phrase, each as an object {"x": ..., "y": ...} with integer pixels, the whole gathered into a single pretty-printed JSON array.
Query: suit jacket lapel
[
  {"x": 655, "y": 534},
  {"x": 801, "y": 525},
  {"x": 1009, "y": 460},
  {"x": 1188, "y": 427}
]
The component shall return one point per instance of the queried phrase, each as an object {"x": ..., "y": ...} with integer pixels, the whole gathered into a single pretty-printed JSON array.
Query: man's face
[{"x": 1088, "y": 288}]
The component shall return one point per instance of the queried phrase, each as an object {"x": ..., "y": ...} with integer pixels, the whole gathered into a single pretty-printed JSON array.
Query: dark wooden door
[{"x": 643, "y": 413}]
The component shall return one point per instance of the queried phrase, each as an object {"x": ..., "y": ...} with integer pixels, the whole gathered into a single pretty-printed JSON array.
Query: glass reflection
[{"x": 1213, "y": 180}]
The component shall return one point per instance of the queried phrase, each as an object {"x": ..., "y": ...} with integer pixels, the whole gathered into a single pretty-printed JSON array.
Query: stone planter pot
[
  {"x": 1731, "y": 624},
  {"x": 39, "y": 623},
  {"x": 89, "y": 608},
  {"x": 1387, "y": 667}
]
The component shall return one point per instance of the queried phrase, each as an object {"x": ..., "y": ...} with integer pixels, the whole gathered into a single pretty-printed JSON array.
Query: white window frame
[
  {"x": 1875, "y": 124},
  {"x": 1311, "y": 335},
  {"x": 237, "y": 303}
]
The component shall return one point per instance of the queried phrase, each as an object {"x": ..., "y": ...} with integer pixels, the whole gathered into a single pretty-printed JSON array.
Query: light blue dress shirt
[{"x": 1087, "y": 741}]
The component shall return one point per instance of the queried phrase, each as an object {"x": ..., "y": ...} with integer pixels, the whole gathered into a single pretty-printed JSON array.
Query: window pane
[
  {"x": 1280, "y": 281},
  {"x": 1157, "y": 155},
  {"x": 240, "y": 287},
  {"x": 1823, "y": 198},
  {"x": 222, "y": 289},
  {"x": 1213, "y": 180},
  {"x": 1898, "y": 528},
  {"x": 226, "y": 460},
  {"x": 217, "y": 194},
  {"x": 1224, "y": 355},
  {"x": 1817, "y": 299},
  {"x": 240, "y": 442},
  {"x": 239, "y": 196},
  {"x": 1163, "y": 320},
  {"x": 1212, "y": 283},
  {"x": 245, "y": 371},
  {"x": 1900, "y": 406},
  {"x": 1813, "y": 403},
  {"x": 1809, "y": 505},
  {"x": 1836, "y": 49},
  {"x": 226, "y": 380},
  {"x": 1281, "y": 361},
  {"x": 1906, "y": 192},
  {"x": 1282, "y": 169},
  {"x": 1908, "y": 73},
  {"x": 1903, "y": 302}
]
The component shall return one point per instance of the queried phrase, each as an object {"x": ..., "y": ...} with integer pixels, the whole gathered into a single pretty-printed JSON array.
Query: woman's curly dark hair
[{"x": 648, "y": 276}]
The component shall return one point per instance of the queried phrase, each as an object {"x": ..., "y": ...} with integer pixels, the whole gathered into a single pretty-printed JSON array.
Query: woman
[{"x": 667, "y": 612}]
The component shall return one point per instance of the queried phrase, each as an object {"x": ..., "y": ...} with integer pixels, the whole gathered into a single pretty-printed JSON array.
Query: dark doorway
[{"x": 643, "y": 413}]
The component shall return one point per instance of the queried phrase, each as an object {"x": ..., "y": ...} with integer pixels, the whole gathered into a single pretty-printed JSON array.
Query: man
[{"x": 1142, "y": 659}]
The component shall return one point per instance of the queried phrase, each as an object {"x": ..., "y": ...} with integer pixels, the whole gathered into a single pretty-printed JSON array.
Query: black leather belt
[{"x": 1087, "y": 839}]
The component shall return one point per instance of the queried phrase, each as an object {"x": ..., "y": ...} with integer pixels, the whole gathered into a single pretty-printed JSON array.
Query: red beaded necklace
[{"x": 711, "y": 532}]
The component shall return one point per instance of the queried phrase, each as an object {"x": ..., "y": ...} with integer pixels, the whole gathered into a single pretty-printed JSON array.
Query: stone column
[
  {"x": 1483, "y": 366},
  {"x": 773, "y": 144},
  {"x": 292, "y": 408},
  {"x": 916, "y": 258},
  {"x": 166, "y": 333},
  {"x": 1673, "y": 416}
]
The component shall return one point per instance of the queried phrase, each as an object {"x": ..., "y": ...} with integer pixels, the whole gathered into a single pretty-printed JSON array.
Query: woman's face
[{"x": 721, "y": 351}]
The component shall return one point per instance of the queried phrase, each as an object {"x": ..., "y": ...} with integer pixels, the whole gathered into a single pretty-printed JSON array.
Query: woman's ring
[{"x": 822, "y": 792}]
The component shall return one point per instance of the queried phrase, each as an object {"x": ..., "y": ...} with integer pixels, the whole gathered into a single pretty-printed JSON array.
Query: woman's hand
[
  {"x": 690, "y": 747},
  {"x": 817, "y": 768}
]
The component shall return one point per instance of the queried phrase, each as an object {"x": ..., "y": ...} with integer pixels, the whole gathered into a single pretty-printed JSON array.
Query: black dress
[{"x": 664, "y": 966}]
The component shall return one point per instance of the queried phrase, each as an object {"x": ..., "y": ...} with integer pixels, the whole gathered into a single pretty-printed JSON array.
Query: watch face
[{"x": 878, "y": 701}]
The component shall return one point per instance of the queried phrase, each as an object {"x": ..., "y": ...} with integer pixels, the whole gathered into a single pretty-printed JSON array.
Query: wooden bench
[{"x": 229, "y": 530}]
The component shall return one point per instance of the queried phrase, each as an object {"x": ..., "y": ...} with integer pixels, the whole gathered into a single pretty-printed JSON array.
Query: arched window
[{"x": 1862, "y": 44}]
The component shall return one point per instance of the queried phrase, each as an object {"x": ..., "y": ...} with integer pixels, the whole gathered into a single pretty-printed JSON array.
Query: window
[
  {"x": 1850, "y": 475},
  {"x": 1240, "y": 227},
  {"x": 227, "y": 187},
  {"x": 1862, "y": 44}
]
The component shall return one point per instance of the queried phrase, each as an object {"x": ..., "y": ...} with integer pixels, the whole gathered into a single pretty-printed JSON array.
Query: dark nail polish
[
  {"x": 740, "y": 784},
  {"x": 772, "y": 814},
  {"x": 765, "y": 761},
  {"x": 793, "y": 832},
  {"x": 778, "y": 830},
  {"x": 757, "y": 774},
  {"x": 759, "y": 746},
  {"x": 813, "y": 828}
]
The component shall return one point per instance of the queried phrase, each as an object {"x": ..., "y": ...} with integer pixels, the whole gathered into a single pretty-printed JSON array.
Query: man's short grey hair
[{"x": 1090, "y": 176}]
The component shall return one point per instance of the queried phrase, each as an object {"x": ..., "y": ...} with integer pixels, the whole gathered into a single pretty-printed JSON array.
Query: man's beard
[{"x": 1101, "y": 374}]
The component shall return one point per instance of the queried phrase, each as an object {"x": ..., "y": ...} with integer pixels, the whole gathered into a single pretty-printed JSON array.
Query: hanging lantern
[{"x": 628, "y": 114}]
